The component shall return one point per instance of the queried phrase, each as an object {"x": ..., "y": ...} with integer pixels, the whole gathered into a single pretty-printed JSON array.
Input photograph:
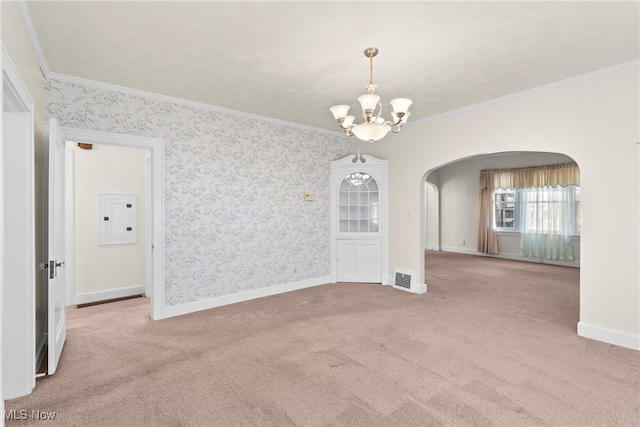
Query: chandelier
[
  {"x": 374, "y": 127},
  {"x": 359, "y": 178}
]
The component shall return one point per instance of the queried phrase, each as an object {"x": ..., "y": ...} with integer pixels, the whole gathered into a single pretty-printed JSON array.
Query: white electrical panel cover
[{"x": 117, "y": 219}]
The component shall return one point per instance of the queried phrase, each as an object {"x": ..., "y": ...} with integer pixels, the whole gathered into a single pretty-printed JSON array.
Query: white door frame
[
  {"x": 148, "y": 222},
  {"x": 17, "y": 247},
  {"x": 154, "y": 241}
]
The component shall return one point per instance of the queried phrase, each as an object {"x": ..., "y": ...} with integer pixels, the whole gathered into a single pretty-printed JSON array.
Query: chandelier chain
[{"x": 370, "y": 69}]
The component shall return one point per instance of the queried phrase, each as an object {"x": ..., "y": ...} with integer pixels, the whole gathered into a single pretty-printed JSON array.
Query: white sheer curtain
[{"x": 547, "y": 222}]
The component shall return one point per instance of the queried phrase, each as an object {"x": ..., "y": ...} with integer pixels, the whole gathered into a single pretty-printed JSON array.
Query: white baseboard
[
  {"x": 515, "y": 257},
  {"x": 433, "y": 247},
  {"x": 420, "y": 289},
  {"x": 90, "y": 297},
  {"x": 468, "y": 251},
  {"x": 191, "y": 307},
  {"x": 609, "y": 336}
]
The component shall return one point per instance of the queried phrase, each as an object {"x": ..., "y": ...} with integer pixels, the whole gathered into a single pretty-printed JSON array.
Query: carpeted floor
[{"x": 493, "y": 342}]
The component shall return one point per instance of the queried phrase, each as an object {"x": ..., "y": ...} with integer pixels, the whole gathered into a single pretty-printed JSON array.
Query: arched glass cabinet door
[{"x": 358, "y": 204}]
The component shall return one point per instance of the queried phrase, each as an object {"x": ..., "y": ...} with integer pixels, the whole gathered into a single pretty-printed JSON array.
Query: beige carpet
[{"x": 493, "y": 342}]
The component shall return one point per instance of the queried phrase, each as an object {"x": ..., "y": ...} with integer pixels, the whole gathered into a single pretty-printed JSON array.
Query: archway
[{"x": 456, "y": 206}]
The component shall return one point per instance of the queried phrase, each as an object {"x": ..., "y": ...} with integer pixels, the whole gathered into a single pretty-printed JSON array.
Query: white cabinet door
[
  {"x": 347, "y": 261},
  {"x": 359, "y": 261},
  {"x": 369, "y": 261}
]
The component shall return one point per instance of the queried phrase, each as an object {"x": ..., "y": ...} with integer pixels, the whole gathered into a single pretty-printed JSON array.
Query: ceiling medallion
[{"x": 374, "y": 127}]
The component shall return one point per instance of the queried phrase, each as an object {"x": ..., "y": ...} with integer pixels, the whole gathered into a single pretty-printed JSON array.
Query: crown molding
[
  {"x": 25, "y": 16},
  {"x": 605, "y": 71}
]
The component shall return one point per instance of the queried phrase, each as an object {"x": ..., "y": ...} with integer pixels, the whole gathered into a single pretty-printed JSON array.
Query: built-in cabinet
[{"x": 359, "y": 220}]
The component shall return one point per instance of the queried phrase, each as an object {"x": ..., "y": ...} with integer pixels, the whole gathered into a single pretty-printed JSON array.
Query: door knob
[{"x": 53, "y": 268}]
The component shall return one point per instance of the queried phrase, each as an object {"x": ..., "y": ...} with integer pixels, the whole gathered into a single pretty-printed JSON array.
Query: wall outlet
[{"x": 464, "y": 242}]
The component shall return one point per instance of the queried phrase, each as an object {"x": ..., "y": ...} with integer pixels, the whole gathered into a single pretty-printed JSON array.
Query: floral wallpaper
[{"x": 235, "y": 218}]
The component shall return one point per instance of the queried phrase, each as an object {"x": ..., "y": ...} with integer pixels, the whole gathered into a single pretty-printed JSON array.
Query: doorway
[
  {"x": 153, "y": 206},
  {"x": 107, "y": 206}
]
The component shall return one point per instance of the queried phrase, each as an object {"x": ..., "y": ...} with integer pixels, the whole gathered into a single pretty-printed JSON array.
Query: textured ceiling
[{"x": 293, "y": 60}]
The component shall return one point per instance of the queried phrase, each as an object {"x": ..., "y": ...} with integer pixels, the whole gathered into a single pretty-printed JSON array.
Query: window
[
  {"x": 505, "y": 205},
  {"x": 538, "y": 210},
  {"x": 551, "y": 210},
  {"x": 540, "y": 203}
]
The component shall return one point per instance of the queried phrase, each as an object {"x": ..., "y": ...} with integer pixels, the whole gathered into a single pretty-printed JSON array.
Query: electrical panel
[{"x": 117, "y": 219}]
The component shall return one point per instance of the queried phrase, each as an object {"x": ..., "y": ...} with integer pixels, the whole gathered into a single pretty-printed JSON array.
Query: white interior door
[{"x": 56, "y": 295}]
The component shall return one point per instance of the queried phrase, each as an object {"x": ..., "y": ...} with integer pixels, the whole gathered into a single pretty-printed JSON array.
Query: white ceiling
[{"x": 293, "y": 60}]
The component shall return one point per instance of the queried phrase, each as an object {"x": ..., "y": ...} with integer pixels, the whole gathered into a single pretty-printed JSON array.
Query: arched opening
[
  {"x": 450, "y": 209},
  {"x": 451, "y": 198}
]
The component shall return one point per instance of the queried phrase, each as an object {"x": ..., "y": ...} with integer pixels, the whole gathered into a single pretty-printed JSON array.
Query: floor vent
[{"x": 405, "y": 280}]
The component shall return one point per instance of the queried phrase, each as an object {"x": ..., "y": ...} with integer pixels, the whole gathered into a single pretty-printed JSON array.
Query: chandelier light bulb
[
  {"x": 369, "y": 102},
  {"x": 339, "y": 111},
  {"x": 401, "y": 105},
  {"x": 348, "y": 121},
  {"x": 374, "y": 126}
]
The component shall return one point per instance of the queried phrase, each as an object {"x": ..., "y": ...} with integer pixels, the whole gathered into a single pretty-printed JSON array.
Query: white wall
[
  {"x": 106, "y": 169},
  {"x": 16, "y": 41},
  {"x": 459, "y": 192},
  {"x": 596, "y": 122}
]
